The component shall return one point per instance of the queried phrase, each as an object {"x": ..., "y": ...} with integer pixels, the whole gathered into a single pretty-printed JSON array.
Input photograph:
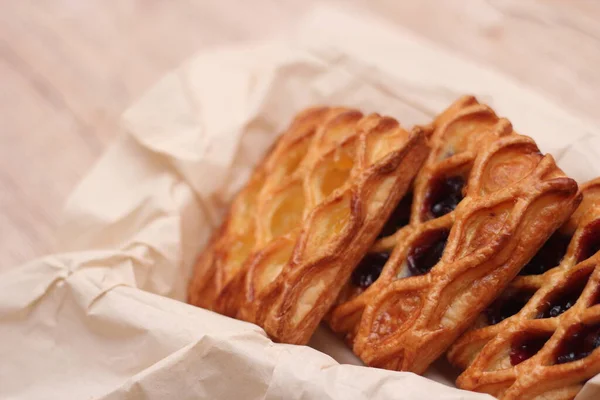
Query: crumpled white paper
[{"x": 103, "y": 318}]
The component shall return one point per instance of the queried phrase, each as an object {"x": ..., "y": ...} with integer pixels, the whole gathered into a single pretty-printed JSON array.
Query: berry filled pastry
[
  {"x": 484, "y": 202},
  {"x": 310, "y": 211},
  {"x": 538, "y": 340}
]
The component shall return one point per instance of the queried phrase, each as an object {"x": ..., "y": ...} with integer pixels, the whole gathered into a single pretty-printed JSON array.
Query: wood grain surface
[{"x": 69, "y": 68}]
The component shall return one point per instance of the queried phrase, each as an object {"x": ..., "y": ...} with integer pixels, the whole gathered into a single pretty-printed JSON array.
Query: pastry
[
  {"x": 484, "y": 202},
  {"x": 308, "y": 214},
  {"x": 538, "y": 340}
]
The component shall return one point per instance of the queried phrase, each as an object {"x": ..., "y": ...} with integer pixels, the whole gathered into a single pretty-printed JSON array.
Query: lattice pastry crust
[
  {"x": 514, "y": 198},
  {"x": 308, "y": 214},
  {"x": 539, "y": 339}
]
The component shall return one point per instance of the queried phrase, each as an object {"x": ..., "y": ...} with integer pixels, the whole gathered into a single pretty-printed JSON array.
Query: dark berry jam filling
[
  {"x": 427, "y": 251},
  {"x": 549, "y": 256},
  {"x": 579, "y": 343},
  {"x": 558, "y": 303},
  {"x": 590, "y": 242},
  {"x": 508, "y": 306},
  {"x": 525, "y": 348},
  {"x": 369, "y": 269},
  {"x": 400, "y": 217},
  {"x": 557, "y": 307},
  {"x": 444, "y": 196}
]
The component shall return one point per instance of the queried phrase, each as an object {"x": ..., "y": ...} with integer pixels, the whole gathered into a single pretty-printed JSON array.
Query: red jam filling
[
  {"x": 527, "y": 347},
  {"x": 579, "y": 343}
]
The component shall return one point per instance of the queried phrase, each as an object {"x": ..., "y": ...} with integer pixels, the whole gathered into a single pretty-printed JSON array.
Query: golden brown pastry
[
  {"x": 307, "y": 216},
  {"x": 483, "y": 203},
  {"x": 538, "y": 340}
]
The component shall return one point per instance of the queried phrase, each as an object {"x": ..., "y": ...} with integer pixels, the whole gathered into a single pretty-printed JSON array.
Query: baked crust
[
  {"x": 310, "y": 211},
  {"x": 514, "y": 199},
  {"x": 533, "y": 353}
]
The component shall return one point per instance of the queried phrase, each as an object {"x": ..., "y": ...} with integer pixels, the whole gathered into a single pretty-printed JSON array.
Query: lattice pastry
[
  {"x": 482, "y": 205},
  {"x": 538, "y": 340},
  {"x": 308, "y": 214}
]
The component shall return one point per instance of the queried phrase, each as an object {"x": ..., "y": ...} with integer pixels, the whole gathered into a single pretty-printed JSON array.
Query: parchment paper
[{"x": 103, "y": 317}]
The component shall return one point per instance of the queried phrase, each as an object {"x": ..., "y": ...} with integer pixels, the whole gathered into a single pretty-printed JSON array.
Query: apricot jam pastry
[
  {"x": 539, "y": 338},
  {"x": 482, "y": 205},
  {"x": 309, "y": 213}
]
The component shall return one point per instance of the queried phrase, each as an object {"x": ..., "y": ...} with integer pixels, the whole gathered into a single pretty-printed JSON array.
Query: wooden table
[{"x": 69, "y": 68}]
